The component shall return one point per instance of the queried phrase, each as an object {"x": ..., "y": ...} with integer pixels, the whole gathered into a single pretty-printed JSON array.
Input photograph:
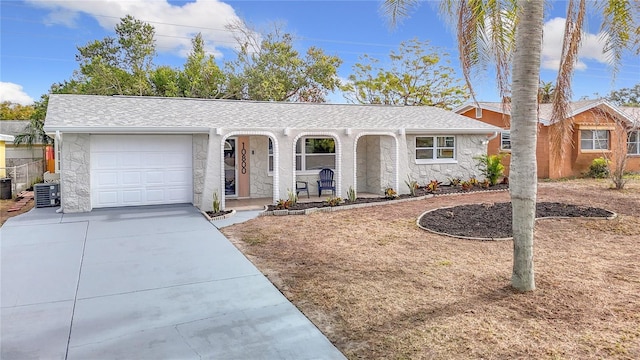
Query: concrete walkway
[{"x": 141, "y": 283}]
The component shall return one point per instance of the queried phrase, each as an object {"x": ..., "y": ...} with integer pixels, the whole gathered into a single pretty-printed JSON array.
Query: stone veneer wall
[
  {"x": 261, "y": 183},
  {"x": 75, "y": 179},
  {"x": 200, "y": 149},
  {"x": 467, "y": 147},
  {"x": 387, "y": 164}
]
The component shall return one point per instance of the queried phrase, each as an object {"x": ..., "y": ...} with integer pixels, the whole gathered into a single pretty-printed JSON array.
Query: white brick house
[{"x": 130, "y": 151}]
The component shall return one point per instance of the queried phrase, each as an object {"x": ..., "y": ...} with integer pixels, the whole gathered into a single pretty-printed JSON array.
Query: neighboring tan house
[
  {"x": 128, "y": 151},
  {"x": 3, "y": 163},
  {"x": 599, "y": 129},
  {"x": 20, "y": 154}
]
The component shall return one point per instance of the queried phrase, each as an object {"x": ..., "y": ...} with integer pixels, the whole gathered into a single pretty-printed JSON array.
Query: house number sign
[{"x": 244, "y": 159}]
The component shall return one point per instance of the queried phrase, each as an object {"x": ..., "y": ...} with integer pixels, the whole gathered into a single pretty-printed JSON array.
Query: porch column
[{"x": 213, "y": 176}]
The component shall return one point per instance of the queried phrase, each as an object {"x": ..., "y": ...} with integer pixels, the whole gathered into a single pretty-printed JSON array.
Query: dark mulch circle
[{"x": 493, "y": 221}]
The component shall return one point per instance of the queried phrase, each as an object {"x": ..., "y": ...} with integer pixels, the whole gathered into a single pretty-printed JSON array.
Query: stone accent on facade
[
  {"x": 261, "y": 182},
  {"x": 75, "y": 178},
  {"x": 200, "y": 149}
]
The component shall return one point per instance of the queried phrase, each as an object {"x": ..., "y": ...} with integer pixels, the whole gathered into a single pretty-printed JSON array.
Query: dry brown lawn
[{"x": 381, "y": 288}]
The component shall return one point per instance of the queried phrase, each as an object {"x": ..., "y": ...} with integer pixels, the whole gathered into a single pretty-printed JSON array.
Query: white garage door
[{"x": 131, "y": 170}]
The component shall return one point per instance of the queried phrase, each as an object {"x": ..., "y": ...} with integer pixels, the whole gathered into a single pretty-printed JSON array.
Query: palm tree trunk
[{"x": 523, "y": 173}]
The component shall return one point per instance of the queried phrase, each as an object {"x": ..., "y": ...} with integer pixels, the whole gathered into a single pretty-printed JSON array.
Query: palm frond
[
  {"x": 619, "y": 29},
  {"x": 396, "y": 10},
  {"x": 561, "y": 131}
]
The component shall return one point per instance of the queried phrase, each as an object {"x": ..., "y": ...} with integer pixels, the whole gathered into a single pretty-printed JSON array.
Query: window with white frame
[
  {"x": 435, "y": 148},
  {"x": 594, "y": 139},
  {"x": 633, "y": 143},
  {"x": 505, "y": 140},
  {"x": 315, "y": 153}
]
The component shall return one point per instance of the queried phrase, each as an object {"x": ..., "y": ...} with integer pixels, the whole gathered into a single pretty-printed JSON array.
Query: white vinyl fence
[{"x": 23, "y": 176}]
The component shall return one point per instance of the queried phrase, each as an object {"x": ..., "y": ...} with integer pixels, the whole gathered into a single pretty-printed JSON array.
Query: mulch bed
[
  {"x": 493, "y": 221},
  {"x": 421, "y": 191},
  {"x": 219, "y": 213}
]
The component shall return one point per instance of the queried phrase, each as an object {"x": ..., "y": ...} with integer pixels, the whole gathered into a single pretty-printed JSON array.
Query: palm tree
[
  {"x": 545, "y": 92},
  {"x": 510, "y": 31}
]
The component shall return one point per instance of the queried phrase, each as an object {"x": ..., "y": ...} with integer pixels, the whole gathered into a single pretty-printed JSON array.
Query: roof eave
[
  {"x": 466, "y": 131},
  {"x": 125, "y": 130}
]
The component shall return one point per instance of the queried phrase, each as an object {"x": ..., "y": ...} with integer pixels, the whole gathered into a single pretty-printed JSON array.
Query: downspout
[
  {"x": 56, "y": 157},
  {"x": 56, "y": 151},
  {"x": 489, "y": 138}
]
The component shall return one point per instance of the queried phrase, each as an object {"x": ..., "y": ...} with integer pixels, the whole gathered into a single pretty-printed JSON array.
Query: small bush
[
  {"x": 334, "y": 201},
  {"x": 292, "y": 197},
  {"x": 216, "y": 202},
  {"x": 491, "y": 167},
  {"x": 351, "y": 194},
  {"x": 455, "y": 181},
  {"x": 599, "y": 168},
  {"x": 433, "y": 185},
  {"x": 412, "y": 184},
  {"x": 283, "y": 204},
  {"x": 389, "y": 193}
]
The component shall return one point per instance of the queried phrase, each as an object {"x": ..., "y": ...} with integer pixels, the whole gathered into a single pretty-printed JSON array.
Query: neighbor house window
[
  {"x": 633, "y": 143},
  {"x": 594, "y": 139},
  {"x": 270, "y": 155},
  {"x": 315, "y": 154},
  {"x": 505, "y": 140},
  {"x": 434, "y": 148}
]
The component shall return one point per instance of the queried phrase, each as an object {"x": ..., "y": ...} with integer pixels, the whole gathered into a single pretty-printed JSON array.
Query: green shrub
[
  {"x": 412, "y": 184},
  {"x": 292, "y": 197},
  {"x": 389, "y": 193},
  {"x": 216, "y": 202},
  {"x": 599, "y": 168},
  {"x": 491, "y": 167},
  {"x": 351, "y": 194}
]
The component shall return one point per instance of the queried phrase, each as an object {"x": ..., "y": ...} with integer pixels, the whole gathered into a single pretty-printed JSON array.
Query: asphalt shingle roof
[
  {"x": 576, "y": 107},
  {"x": 66, "y": 112}
]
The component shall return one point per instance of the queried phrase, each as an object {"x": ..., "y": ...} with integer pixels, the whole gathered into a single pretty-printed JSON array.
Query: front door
[{"x": 236, "y": 167}]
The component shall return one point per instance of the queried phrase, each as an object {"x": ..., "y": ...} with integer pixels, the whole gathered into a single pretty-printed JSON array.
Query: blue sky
[{"x": 39, "y": 37}]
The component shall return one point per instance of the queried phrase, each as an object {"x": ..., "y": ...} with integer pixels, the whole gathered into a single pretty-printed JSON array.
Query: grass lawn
[{"x": 381, "y": 288}]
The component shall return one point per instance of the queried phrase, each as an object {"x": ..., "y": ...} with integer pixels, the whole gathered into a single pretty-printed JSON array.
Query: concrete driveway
[{"x": 141, "y": 283}]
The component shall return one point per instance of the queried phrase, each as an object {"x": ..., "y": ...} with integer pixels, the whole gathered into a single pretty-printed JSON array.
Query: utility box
[
  {"x": 46, "y": 195},
  {"x": 5, "y": 188}
]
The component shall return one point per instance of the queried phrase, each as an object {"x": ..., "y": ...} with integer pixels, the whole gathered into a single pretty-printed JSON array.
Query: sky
[{"x": 39, "y": 38}]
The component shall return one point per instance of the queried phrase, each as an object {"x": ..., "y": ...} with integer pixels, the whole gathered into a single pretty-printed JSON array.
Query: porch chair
[
  {"x": 302, "y": 186},
  {"x": 326, "y": 182}
]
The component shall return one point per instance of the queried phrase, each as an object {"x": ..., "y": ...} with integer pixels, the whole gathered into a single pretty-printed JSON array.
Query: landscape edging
[{"x": 613, "y": 216}]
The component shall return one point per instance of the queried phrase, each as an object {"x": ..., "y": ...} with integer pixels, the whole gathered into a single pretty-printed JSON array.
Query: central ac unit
[{"x": 46, "y": 194}]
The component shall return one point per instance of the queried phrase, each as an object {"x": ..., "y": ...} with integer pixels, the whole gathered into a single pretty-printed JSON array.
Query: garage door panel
[
  {"x": 131, "y": 178},
  {"x": 177, "y": 160},
  {"x": 174, "y": 194},
  {"x": 130, "y": 160},
  {"x": 106, "y": 178},
  {"x": 108, "y": 198},
  {"x": 132, "y": 197},
  {"x": 155, "y": 177},
  {"x": 105, "y": 160},
  {"x": 132, "y": 170},
  {"x": 176, "y": 177}
]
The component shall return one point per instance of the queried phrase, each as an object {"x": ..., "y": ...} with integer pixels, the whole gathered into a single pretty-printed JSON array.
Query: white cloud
[
  {"x": 14, "y": 93},
  {"x": 175, "y": 25},
  {"x": 591, "y": 48}
]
